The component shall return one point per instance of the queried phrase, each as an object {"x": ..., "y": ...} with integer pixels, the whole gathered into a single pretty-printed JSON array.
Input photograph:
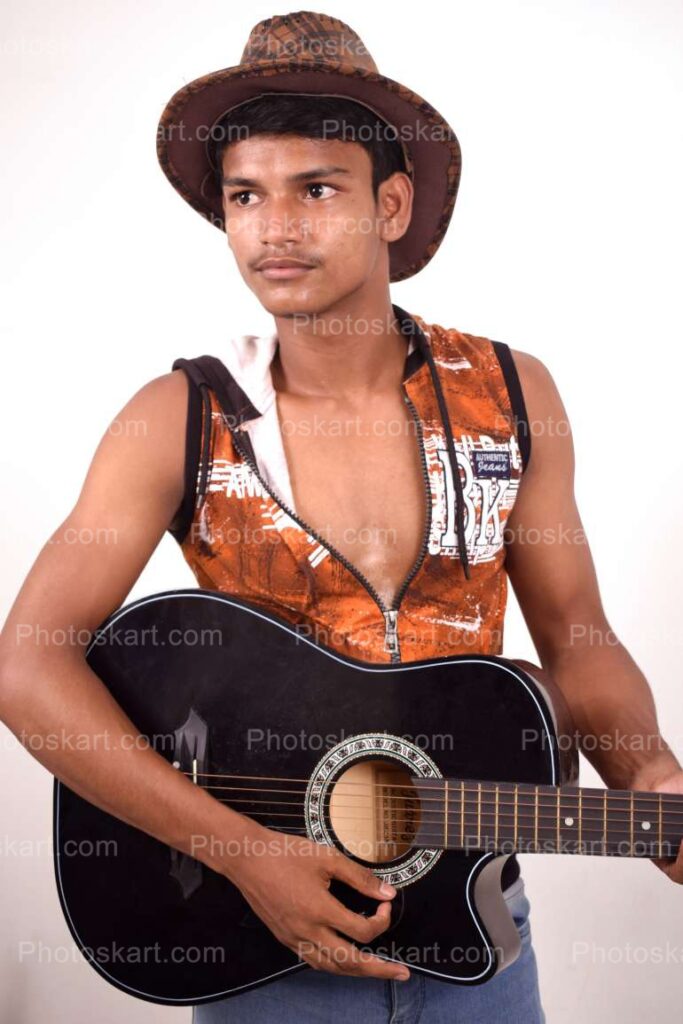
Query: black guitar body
[{"x": 251, "y": 699}]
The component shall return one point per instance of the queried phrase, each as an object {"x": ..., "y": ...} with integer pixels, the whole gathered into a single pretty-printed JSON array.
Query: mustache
[{"x": 311, "y": 261}]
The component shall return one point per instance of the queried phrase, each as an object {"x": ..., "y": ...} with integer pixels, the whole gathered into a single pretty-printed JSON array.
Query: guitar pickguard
[{"x": 190, "y": 755}]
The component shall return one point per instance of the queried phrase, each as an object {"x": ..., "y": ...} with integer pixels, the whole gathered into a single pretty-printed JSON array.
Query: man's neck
[{"x": 344, "y": 354}]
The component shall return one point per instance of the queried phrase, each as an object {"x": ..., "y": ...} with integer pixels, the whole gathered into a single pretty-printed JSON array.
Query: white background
[{"x": 565, "y": 242}]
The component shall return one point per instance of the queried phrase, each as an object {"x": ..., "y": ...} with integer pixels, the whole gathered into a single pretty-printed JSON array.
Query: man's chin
[{"x": 289, "y": 305}]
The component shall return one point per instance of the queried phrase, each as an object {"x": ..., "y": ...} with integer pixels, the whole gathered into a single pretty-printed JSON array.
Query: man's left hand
[{"x": 671, "y": 866}]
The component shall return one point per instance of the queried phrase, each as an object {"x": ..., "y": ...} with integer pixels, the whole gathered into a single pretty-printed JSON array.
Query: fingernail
[
  {"x": 403, "y": 976},
  {"x": 387, "y": 890}
]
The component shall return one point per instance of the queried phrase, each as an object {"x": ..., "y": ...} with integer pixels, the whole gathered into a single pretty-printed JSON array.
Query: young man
[{"x": 361, "y": 472}]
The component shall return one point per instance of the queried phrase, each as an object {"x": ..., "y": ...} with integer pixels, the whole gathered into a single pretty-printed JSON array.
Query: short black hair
[{"x": 314, "y": 117}]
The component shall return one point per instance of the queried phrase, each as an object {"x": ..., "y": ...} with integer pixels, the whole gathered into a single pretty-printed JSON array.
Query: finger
[
  {"x": 358, "y": 926},
  {"x": 672, "y": 866},
  {"x": 360, "y": 878},
  {"x": 343, "y": 957}
]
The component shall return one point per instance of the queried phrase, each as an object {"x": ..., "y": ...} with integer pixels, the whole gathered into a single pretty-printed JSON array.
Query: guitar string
[
  {"x": 531, "y": 847},
  {"x": 518, "y": 839},
  {"x": 603, "y": 842},
  {"x": 456, "y": 784},
  {"x": 519, "y": 813},
  {"x": 454, "y": 792},
  {"x": 457, "y": 810},
  {"x": 586, "y": 825},
  {"x": 440, "y": 817},
  {"x": 434, "y": 839},
  {"x": 613, "y": 796}
]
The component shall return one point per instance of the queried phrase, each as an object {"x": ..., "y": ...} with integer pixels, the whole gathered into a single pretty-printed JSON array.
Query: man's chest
[{"x": 358, "y": 479}]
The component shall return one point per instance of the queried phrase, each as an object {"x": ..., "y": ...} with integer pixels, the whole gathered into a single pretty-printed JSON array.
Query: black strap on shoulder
[
  {"x": 210, "y": 371},
  {"x": 206, "y": 373},
  {"x": 198, "y": 425},
  {"x": 507, "y": 365}
]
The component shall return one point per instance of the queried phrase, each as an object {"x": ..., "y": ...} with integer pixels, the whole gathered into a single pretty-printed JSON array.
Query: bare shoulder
[
  {"x": 534, "y": 375},
  {"x": 140, "y": 457},
  {"x": 541, "y": 395},
  {"x": 160, "y": 402},
  {"x": 164, "y": 396},
  {"x": 153, "y": 421},
  {"x": 551, "y": 441}
]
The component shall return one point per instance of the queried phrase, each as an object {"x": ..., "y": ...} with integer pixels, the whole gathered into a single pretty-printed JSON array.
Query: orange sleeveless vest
[{"x": 238, "y": 536}]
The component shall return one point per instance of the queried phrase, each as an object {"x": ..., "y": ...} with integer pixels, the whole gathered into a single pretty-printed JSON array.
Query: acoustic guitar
[{"x": 431, "y": 772}]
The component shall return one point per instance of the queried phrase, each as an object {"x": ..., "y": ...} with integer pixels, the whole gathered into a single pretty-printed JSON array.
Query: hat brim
[{"x": 184, "y": 141}]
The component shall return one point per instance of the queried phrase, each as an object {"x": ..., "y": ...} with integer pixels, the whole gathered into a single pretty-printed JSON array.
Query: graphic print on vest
[
  {"x": 489, "y": 491},
  {"x": 238, "y": 480}
]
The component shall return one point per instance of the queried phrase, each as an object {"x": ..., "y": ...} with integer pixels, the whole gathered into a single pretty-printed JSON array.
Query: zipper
[
  {"x": 428, "y": 505},
  {"x": 391, "y": 633},
  {"x": 391, "y": 643}
]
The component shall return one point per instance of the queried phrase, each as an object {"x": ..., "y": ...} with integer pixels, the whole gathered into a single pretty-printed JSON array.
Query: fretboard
[{"x": 511, "y": 817}]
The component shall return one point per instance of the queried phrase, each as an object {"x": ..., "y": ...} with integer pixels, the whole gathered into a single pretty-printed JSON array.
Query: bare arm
[
  {"x": 84, "y": 572},
  {"x": 49, "y": 697},
  {"x": 551, "y": 569}
]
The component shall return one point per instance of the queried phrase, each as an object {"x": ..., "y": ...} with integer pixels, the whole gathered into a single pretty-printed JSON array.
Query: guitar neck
[{"x": 465, "y": 814}]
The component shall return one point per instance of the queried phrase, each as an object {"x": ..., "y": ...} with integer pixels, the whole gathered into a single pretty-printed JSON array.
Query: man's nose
[{"x": 284, "y": 222}]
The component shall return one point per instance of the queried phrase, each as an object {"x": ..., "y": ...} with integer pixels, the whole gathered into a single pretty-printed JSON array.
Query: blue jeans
[{"x": 316, "y": 997}]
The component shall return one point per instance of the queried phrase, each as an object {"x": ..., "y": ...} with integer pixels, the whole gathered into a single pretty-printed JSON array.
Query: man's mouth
[
  {"x": 282, "y": 268},
  {"x": 284, "y": 273}
]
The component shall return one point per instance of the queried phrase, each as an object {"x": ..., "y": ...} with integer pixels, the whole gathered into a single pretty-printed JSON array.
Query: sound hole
[{"x": 374, "y": 810}]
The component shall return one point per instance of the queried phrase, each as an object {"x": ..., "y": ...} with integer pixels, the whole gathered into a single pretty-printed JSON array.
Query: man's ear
[{"x": 395, "y": 203}]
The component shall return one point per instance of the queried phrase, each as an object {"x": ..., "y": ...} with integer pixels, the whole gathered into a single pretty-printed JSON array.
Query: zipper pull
[{"x": 390, "y": 632}]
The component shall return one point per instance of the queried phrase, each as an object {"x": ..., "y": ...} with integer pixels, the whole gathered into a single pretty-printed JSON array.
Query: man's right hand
[{"x": 286, "y": 879}]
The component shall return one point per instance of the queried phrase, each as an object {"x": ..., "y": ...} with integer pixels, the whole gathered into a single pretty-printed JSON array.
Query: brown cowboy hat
[{"x": 311, "y": 53}]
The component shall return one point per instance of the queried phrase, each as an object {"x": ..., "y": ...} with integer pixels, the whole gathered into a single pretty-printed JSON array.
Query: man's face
[{"x": 309, "y": 200}]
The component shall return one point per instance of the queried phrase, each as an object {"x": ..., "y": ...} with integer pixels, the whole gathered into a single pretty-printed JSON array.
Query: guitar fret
[
  {"x": 495, "y": 836},
  {"x": 548, "y": 819},
  {"x": 660, "y": 824},
  {"x": 593, "y": 822},
  {"x": 645, "y": 824},
  {"x": 515, "y": 839},
  {"x": 536, "y": 820},
  {"x": 570, "y": 797},
  {"x": 604, "y": 820}
]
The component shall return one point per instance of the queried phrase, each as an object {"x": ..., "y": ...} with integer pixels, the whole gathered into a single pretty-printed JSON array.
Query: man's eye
[
  {"x": 320, "y": 184},
  {"x": 236, "y": 195}
]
